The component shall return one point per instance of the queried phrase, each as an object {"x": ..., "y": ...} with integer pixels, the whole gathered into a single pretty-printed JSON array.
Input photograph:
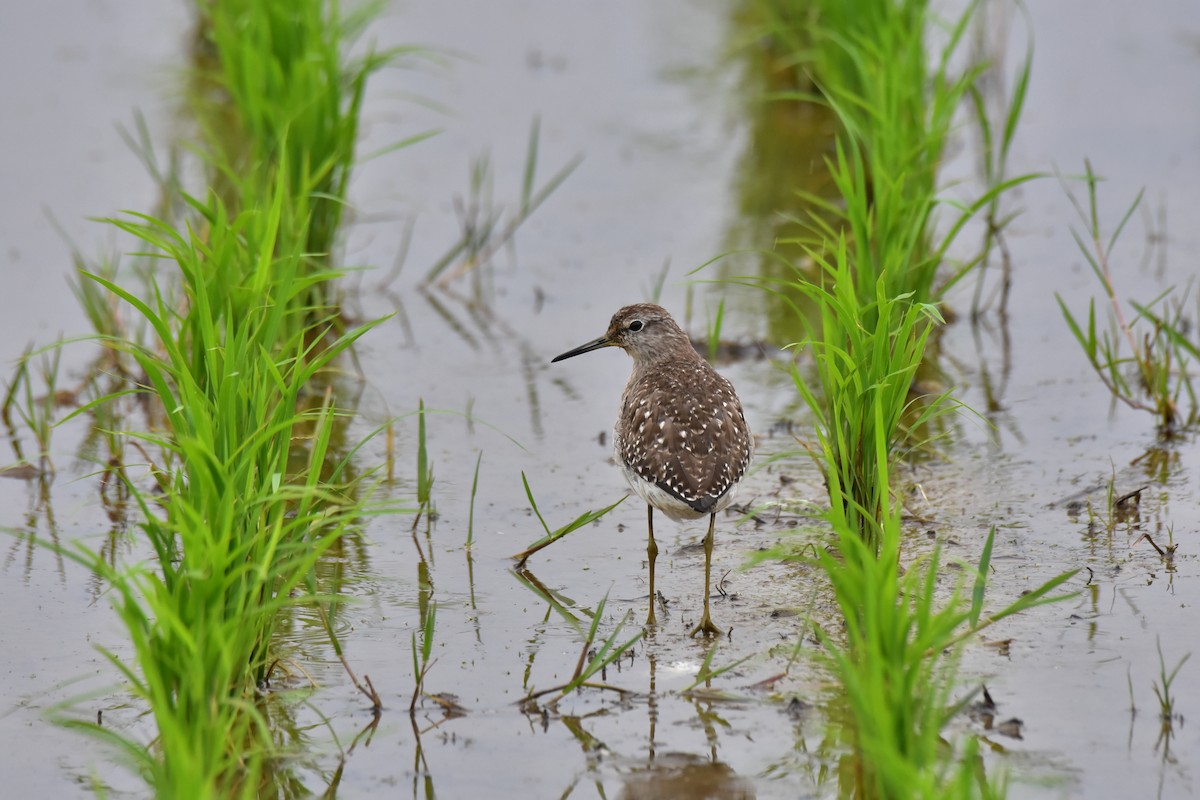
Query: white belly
[{"x": 668, "y": 503}]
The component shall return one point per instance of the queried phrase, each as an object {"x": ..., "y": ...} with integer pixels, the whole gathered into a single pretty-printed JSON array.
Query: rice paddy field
[{"x": 283, "y": 287}]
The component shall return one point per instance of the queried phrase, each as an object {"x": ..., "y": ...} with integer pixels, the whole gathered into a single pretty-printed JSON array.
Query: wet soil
[{"x": 651, "y": 97}]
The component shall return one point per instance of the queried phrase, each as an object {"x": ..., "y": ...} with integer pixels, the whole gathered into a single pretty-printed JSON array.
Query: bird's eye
[{"x": 636, "y": 325}]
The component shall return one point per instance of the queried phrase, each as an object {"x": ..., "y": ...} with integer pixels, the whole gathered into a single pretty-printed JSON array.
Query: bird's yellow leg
[
  {"x": 706, "y": 625},
  {"x": 651, "y": 555}
]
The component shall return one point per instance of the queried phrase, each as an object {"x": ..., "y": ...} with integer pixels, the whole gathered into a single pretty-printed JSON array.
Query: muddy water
[{"x": 646, "y": 94}]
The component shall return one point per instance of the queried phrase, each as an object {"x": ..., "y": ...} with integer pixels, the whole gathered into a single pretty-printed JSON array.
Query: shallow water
[{"x": 647, "y": 94}]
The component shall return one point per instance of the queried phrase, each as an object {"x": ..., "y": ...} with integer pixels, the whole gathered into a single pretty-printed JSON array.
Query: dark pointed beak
[{"x": 595, "y": 344}]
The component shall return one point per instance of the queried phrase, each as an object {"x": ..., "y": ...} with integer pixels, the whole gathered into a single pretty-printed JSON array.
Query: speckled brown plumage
[
  {"x": 681, "y": 436},
  {"x": 682, "y": 429}
]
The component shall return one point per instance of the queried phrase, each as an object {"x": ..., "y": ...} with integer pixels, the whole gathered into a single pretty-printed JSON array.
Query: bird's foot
[
  {"x": 706, "y": 627},
  {"x": 651, "y": 622}
]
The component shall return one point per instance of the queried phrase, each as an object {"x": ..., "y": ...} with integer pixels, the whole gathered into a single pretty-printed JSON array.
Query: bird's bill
[{"x": 595, "y": 344}]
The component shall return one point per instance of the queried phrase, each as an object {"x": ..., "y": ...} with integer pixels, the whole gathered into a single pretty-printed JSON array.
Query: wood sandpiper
[{"x": 681, "y": 437}]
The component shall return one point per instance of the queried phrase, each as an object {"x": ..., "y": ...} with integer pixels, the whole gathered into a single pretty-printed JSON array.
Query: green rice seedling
[
  {"x": 867, "y": 352},
  {"x": 875, "y": 286},
  {"x": 1162, "y": 687},
  {"x": 424, "y": 471},
  {"x": 653, "y": 292},
  {"x": 869, "y": 311},
  {"x": 12, "y": 394},
  {"x": 898, "y": 683},
  {"x": 895, "y": 104},
  {"x": 471, "y": 512},
  {"x": 234, "y": 326},
  {"x": 1167, "y": 715},
  {"x": 592, "y": 660},
  {"x": 233, "y": 549},
  {"x": 874, "y": 314},
  {"x": 897, "y": 658},
  {"x": 1147, "y": 370},
  {"x": 997, "y": 130},
  {"x": 714, "y": 331},
  {"x": 98, "y": 305},
  {"x": 551, "y": 537},
  {"x": 277, "y": 89},
  {"x": 422, "y": 661},
  {"x": 241, "y": 522}
]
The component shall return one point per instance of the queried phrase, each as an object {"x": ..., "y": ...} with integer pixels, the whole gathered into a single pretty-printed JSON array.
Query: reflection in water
[
  {"x": 670, "y": 776},
  {"x": 994, "y": 380},
  {"x": 472, "y": 320},
  {"x": 556, "y": 599},
  {"x": 781, "y": 172},
  {"x": 422, "y": 782},
  {"x": 26, "y": 538},
  {"x": 684, "y": 776},
  {"x": 652, "y": 701},
  {"x": 593, "y": 750}
]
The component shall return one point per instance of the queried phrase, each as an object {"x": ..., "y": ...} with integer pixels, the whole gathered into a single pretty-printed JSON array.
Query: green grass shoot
[
  {"x": 424, "y": 470},
  {"x": 594, "y": 659},
  {"x": 551, "y": 537},
  {"x": 1143, "y": 359},
  {"x": 422, "y": 657},
  {"x": 471, "y": 512}
]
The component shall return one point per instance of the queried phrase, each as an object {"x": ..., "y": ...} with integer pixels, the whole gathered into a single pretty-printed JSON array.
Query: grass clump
[
  {"x": 223, "y": 380},
  {"x": 866, "y": 356},
  {"x": 1152, "y": 373},
  {"x": 897, "y": 662},
  {"x": 895, "y": 100},
  {"x": 237, "y": 515},
  {"x": 275, "y": 92},
  {"x": 866, "y": 289},
  {"x": 228, "y": 356}
]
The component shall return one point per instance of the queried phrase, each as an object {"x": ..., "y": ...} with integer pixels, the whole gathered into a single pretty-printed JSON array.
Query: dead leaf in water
[
  {"x": 1010, "y": 728},
  {"x": 1001, "y": 645},
  {"x": 20, "y": 471}
]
